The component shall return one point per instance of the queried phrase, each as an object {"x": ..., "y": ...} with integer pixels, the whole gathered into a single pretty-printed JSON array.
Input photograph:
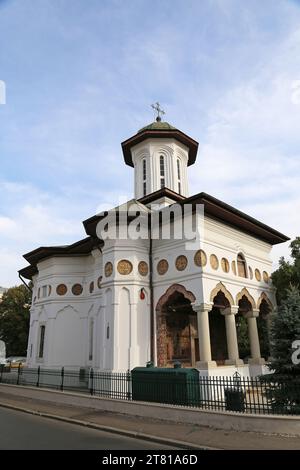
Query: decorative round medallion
[
  {"x": 233, "y": 267},
  {"x": 258, "y": 275},
  {"x": 49, "y": 290},
  {"x": 162, "y": 266},
  {"x": 250, "y": 272},
  {"x": 91, "y": 287},
  {"x": 200, "y": 258},
  {"x": 99, "y": 280},
  {"x": 108, "y": 270},
  {"x": 181, "y": 262},
  {"x": 124, "y": 267},
  {"x": 77, "y": 289},
  {"x": 214, "y": 262},
  {"x": 143, "y": 268},
  {"x": 266, "y": 277},
  {"x": 225, "y": 265},
  {"x": 61, "y": 289}
]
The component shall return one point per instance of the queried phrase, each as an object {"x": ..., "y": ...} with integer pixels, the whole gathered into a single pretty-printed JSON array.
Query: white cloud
[
  {"x": 251, "y": 154},
  {"x": 224, "y": 71},
  {"x": 9, "y": 265},
  {"x": 35, "y": 218},
  {"x": 7, "y": 225}
]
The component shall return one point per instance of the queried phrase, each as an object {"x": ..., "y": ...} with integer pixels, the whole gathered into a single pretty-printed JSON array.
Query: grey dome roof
[{"x": 157, "y": 126}]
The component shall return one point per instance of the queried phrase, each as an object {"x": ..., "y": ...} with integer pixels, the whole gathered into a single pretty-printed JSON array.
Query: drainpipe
[
  {"x": 25, "y": 284},
  {"x": 152, "y": 318}
]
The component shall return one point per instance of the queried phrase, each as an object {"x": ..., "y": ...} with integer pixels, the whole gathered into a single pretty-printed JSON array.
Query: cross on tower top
[{"x": 159, "y": 111}]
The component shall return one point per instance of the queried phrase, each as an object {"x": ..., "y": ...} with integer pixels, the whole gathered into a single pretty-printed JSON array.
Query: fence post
[
  {"x": 38, "y": 377},
  {"x": 128, "y": 383},
  {"x": 2, "y": 369},
  {"x": 62, "y": 379},
  {"x": 92, "y": 381},
  {"x": 19, "y": 372}
]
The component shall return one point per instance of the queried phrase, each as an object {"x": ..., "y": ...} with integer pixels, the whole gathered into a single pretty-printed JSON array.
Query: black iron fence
[{"x": 241, "y": 394}]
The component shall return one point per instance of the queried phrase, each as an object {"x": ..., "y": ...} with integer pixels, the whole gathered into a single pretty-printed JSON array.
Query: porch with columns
[
  {"x": 229, "y": 311},
  {"x": 226, "y": 311}
]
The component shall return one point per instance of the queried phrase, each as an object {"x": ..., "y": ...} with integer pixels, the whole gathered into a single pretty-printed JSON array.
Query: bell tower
[{"x": 160, "y": 155}]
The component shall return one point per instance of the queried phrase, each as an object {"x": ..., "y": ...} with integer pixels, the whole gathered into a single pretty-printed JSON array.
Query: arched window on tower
[
  {"x": 162, "y": 171},
  {"x": 144, "y": 177},
  {"x": 241, "y": 265},
  {"x": 179, "y": 175}
]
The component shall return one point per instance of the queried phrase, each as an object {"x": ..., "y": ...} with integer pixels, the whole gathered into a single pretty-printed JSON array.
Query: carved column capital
[
  {"x": 232, "y": 310},
  {"x": 201, "y": 307},
  {"x": 254, "y": 313}
]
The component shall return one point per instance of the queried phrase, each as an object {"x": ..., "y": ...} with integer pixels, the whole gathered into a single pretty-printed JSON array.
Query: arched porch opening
[
  {"x": 177, "y": 334},
  {"x": 217, "y": 328},
  {"x": 245, "y": 306},
  {"x": 263, "y": 321}
]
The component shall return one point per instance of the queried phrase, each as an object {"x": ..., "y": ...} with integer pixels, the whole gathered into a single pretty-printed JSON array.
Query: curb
[{"x": 100, "y": 427}]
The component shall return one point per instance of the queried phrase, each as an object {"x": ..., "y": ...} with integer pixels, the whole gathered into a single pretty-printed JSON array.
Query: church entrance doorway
[
  {"x": 177, "y": 331},
  {"x": 181, "y": 323}
]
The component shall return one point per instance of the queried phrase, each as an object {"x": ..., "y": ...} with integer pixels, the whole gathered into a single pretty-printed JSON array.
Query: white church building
[{"x": 118, "y": 302}]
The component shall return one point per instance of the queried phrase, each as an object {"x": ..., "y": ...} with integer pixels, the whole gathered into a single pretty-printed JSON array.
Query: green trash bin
[
  {"x": 166, "y": 385},
  {"x": 234, "y": 399}
]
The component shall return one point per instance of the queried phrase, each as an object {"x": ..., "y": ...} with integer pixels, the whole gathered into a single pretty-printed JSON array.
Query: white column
[
  {"x": 204, "y": 336},
  {"x": 134, "y": 356},
  {"x": 253, "y": 338},
  {"x": 231, "y": 336},
  {"x": 48, "y": 342}
]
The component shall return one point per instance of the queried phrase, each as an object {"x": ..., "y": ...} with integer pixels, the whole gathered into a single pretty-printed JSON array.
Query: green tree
[
  {"x": 14, "y": 320},
  {"x": 243, "y": 336},
  {"x": 284, "y": 381},
  {"x": 285, "y": 329},
  {"x": 288, "y": 273}
]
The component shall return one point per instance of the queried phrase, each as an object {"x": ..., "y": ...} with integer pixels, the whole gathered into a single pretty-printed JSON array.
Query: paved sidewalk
[{"x": 154, "y": 429}]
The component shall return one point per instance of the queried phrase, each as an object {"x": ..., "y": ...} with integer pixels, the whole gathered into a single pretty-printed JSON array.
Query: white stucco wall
[{"x": 224, "y": 242}]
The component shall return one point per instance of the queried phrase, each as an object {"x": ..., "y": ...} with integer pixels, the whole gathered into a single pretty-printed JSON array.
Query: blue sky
[{"x": 80, "y": 77}]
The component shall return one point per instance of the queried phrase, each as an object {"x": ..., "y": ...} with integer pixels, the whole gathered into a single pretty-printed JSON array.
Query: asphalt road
[{"x": 20, "y": 430}]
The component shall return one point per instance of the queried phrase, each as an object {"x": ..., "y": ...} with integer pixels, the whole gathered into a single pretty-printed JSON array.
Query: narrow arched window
[
  {"x": 162, "y": 171},
  {"x": 144, "y": 177},
  {"x": 91, "y": 339},
  {"x": 179, "y": 175},
  {"x": 241, "y": 265},
  {"x": 41, "y": 341}
]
